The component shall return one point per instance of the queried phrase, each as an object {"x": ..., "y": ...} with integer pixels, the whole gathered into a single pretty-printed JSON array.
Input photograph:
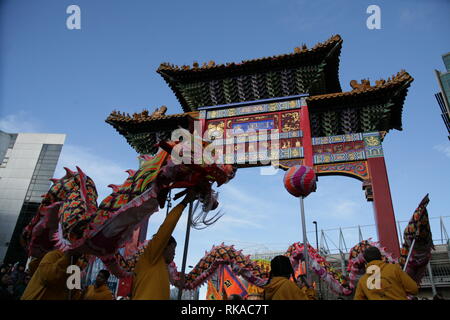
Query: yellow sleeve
[
  {"x": 310, "y": 293},
  {"x": 359, "y": 294},
  {"x": 159, "y": 241},
  {"x": 408, "y": 283},
  {"x": 107, "y": 295},
  {"x": 290, "y": 291},
  {"x": 53, "y": 268}
]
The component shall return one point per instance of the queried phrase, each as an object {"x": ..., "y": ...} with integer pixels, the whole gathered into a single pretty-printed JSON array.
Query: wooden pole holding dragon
[
  {"x": 185, "y": 252},
  {"x": 300, "y": 181}
]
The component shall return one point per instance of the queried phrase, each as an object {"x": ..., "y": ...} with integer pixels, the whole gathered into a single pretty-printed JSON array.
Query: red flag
[{"x": 231, "y": 284}]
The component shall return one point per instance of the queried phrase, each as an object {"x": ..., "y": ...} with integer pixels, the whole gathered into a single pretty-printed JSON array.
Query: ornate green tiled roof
[
  {"x": 143, "y": 130},
  {"x": 313, "y": 71},
  {"x": 366, "y": 108}
]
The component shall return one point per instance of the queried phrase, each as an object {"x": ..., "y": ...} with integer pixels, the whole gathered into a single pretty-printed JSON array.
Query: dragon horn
[
  {"x": 145, "y": 157},
  {"x": 69, "y": 172},
  {"x": 80, "y": 171},
  {"x": 130, "y": 172},
  {"x": 114, "y": 187},
  {"x": 54, "y": 180}
]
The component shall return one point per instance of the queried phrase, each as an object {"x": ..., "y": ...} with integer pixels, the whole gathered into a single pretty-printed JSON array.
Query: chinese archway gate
[{"x": 298, "y": 94}]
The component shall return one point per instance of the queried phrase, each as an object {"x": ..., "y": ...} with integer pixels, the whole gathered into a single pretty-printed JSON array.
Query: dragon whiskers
[{"x": 201, "y": 218}]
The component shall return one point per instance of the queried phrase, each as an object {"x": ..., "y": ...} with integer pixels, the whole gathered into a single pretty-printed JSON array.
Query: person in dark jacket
[
  {"x": 279, "y": 286},
  {"x": 6, "y": 287}
]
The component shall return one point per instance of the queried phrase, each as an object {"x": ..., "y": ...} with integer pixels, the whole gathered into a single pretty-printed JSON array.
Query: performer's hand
[
  {"x": 191, "y": 195},
  {"x": 180, "y": 283}
]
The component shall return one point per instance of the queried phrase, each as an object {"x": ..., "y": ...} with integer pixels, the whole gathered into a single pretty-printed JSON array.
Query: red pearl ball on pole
[{"x": 300, "y": 181}]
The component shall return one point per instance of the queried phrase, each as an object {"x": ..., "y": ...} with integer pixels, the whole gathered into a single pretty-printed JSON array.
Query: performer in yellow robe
[
  {"x": 151, "y": 279},
  {"x": 395, "y": 284},
  {"x": 309, "y": 292},
  {"x": 99, "y": 290},
  {"x": 279, "y": 286},
  {"x": 49, "y": 279}
]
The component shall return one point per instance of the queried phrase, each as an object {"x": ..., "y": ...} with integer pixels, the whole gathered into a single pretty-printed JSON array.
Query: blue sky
[{"x": 57, "y": 80}]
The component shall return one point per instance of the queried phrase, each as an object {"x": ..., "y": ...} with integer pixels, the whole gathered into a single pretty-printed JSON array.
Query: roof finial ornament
[
  {"x": 379, "y": 83},
  {"x": 365, "y": 84},
  {"x": 161, "y": 111},
  {"x": 301, "y": 49}
]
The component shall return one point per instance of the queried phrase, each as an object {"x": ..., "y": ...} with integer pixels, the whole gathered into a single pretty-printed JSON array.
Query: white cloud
[
  {"x": 238, "y": 200},
  {"x": 103, "y": 171},
  {"x": 237, "y": 194},
  {"x": 445, "y": 149},
  {"x": 228, "y": 221},
  {"x": 19, "y": 122}
]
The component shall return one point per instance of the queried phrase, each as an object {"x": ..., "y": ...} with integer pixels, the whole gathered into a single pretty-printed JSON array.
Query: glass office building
[
  {"x": 28, "y": 161},
  {"x": 443, "y": 97}
]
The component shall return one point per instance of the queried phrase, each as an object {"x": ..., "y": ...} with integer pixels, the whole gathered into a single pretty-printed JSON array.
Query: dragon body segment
[
  {"x": 255, "y": 272},
  {"x": 69, "y": 218}
]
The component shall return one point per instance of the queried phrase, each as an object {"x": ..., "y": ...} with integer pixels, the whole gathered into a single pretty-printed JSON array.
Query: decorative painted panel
[
  {"x": 252, "y": 109},
  {"x": 372, "y": 141},
  {"x": 357, "y": 169},
  {"x": 337, "y": 139},
  {"x": 240, "y": 131}
]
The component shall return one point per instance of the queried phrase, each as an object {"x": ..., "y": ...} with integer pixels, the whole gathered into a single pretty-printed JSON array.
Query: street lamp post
[{"x": 317, "y": 236}]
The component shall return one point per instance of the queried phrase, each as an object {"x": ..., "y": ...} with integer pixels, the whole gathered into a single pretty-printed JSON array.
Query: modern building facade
[
  {"x": 28, "y": 161},
  {"x": 443, "y": 97}
]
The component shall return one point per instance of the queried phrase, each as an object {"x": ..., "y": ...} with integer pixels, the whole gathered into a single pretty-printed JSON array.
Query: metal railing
[
  {"x": 440, "y": 274},
  {"x": 340, "y": 240}
]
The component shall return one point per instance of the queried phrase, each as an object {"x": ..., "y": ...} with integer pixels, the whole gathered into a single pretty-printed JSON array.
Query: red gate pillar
[
  {"x": 307, "y": 140},
  {"x": 382, "y": 201}
]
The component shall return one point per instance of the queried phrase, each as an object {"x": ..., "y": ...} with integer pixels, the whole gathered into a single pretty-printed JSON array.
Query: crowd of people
[
  {"x": 15, "y": 285},
  {"x": 46, "y": 279},
  {"x": 13, "y": 281}
]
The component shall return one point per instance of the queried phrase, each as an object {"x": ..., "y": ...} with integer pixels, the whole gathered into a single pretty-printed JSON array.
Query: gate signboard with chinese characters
[{"x": 259, "y": 133}]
